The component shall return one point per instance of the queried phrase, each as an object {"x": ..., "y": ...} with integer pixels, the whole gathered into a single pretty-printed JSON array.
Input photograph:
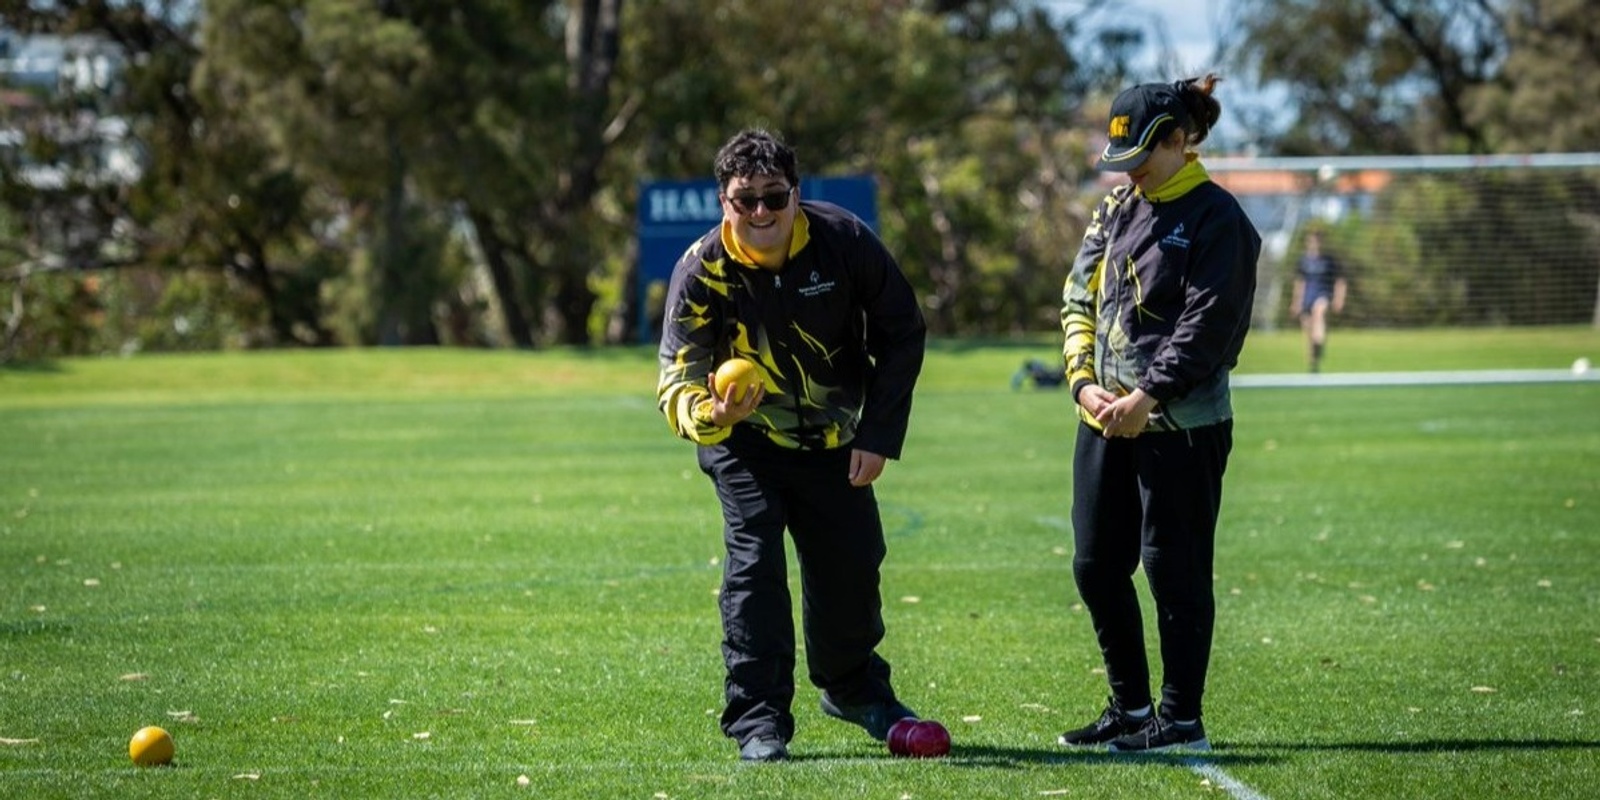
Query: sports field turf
[{"x": 415, "y": 573}]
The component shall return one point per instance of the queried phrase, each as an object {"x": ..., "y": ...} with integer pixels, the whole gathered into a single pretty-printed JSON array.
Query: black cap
[{"x": 1141, "y": 117}]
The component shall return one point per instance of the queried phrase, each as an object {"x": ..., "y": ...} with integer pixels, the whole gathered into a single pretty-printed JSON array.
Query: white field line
[
  {"x": 1467, "y": 377},
  {"x": 1233, "y": 786}
]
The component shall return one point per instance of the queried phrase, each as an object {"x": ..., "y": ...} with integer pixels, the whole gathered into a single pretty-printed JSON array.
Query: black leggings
[{"x": 1152, "y": 499}]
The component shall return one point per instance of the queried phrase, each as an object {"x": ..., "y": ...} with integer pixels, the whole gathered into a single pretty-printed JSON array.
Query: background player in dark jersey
[
  {"x": 1155, "y": 312},
  {"x": 1319, "y": 287},
  {"x": 808, "y": 292}
]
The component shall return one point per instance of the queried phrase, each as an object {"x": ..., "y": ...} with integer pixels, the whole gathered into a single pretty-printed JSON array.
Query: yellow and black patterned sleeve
[
  {"x": 1079, "y": 305},
  {"x": 689, "y": 338}
]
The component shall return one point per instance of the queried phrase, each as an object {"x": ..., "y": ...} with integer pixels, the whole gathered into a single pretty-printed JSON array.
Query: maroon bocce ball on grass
[{"x": 914, "y": 738}]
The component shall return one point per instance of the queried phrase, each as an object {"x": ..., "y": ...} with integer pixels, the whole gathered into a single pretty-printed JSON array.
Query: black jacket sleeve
[{"x": 896, "y": 339}]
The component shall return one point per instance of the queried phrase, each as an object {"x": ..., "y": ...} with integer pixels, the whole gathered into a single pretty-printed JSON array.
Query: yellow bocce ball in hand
[{"x": 740, "y": 373}]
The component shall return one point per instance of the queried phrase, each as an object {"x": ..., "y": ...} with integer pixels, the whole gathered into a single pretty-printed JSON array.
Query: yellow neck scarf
[
  {"x": 750, "y": 256},
  {"x": 1190, "y": 175}
]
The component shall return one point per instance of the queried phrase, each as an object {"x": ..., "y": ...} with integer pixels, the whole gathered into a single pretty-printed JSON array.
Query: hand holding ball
[
  {"x": 151, "y": 747},
  {"x": 736, "y": 378}
]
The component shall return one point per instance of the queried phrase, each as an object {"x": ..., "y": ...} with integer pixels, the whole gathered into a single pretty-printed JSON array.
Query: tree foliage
[
  {"x": 1427, "y": 76},
  {"x": 318, "y": 172},
  {"x": 1375, "y": 76},
  {"x": 1544, "y": 99}
]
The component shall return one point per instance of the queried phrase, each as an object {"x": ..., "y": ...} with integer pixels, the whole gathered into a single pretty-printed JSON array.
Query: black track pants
[
  {"x": 1154, "y": 500},
  {"x": 838, "y": 539}
]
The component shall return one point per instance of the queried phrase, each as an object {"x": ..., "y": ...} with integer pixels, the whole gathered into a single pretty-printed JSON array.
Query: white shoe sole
[{"x": 1200, "y": 746}]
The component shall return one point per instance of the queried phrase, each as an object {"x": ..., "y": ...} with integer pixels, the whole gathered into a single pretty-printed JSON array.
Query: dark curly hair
[{"x": 755, "y": 152}]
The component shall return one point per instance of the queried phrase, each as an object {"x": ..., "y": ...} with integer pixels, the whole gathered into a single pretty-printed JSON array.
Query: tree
[
  {"x": 968, "y": 114},
  {"x": 1375, "y": 76},
  {"x": 569, "y": 223},
  {"x": 197, "y": 198},
  {"x": 422, "y": 113},
  {"x": 1544, "y": 98},
  {"x": 340, "y": 87},
  {"x": 312, "y": 166}
]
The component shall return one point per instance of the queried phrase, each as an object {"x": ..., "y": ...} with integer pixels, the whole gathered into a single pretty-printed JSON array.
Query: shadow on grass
[
  {"x": 633, "y": 352},
  {"x": 989, "y": 757},
  {"x": 985, "y": 757},
  {"x": 34, "y": 367},
  {"x": 17, "y": 629},
  {"x": 1436, "y": 746},
  {"x": 963, "y": 345}
]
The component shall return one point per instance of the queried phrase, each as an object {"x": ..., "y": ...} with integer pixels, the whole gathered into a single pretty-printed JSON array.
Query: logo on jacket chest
[
  {"x": 816, "y": 286},
  {"x": 1176, "y": 239}
]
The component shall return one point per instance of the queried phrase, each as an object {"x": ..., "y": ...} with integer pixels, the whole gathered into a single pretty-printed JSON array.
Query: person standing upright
[
  {"x": 1319, "y": 287},
  {"x": 1155, "y": 311},
  {"x": 806, "y": 291}
]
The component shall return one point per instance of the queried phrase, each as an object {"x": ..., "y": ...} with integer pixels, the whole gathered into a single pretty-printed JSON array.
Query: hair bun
[{"x": 1204, "y": 84}]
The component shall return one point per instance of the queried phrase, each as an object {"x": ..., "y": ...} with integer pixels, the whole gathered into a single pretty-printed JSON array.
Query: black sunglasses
[{"x": 748, "y": 203}]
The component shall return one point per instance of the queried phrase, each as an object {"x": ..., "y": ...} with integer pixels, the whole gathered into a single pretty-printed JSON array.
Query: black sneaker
[
  {"x": 764, "y": 748},
  {"x": 1113, "y": 722},
  {"x": 1160, "y": 734},
  {"x": 876, "y": 718}
]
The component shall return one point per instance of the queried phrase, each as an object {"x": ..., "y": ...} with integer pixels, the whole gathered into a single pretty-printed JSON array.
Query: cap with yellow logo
[{"x": 1140, "y": 118}]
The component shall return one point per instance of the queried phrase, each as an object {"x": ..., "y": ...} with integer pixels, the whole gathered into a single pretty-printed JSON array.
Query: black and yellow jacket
[
  {"x": 1159, "y": 298},
  {"x": 836, "y": 332}
]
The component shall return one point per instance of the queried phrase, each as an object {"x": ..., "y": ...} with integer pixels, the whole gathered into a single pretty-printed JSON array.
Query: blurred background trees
[{"x": 264, "y": 173}]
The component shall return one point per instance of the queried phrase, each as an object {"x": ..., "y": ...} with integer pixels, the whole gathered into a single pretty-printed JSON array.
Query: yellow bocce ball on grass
[{"x": 151, "y": 747}]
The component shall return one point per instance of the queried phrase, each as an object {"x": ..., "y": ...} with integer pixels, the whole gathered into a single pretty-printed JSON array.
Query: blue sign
[{"x": 673, "y": 214}]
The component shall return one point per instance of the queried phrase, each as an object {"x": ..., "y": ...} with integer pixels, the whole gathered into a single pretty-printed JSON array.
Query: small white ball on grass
[{"x": 1580, "y": 366}]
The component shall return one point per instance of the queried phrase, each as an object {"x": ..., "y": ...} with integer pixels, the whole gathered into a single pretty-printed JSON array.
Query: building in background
[{"x": 54, "y": 87}]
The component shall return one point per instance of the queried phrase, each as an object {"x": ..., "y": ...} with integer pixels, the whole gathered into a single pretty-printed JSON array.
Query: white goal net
[{"x": 1431, "y": 240}]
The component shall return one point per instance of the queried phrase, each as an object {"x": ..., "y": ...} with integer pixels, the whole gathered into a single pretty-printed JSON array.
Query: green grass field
[{"x": 427, "y": 573}]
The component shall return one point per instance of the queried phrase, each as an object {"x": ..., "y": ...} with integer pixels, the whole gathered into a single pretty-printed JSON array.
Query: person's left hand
[
  {"x": 1094, "y": 399},
  {"x": 1127, "y": 416},
  {"x": 865, "y": 467}
]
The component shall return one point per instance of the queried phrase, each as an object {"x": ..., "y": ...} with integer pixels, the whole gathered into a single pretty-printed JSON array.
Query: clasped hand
[{"x": 1120, "y": 417}]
